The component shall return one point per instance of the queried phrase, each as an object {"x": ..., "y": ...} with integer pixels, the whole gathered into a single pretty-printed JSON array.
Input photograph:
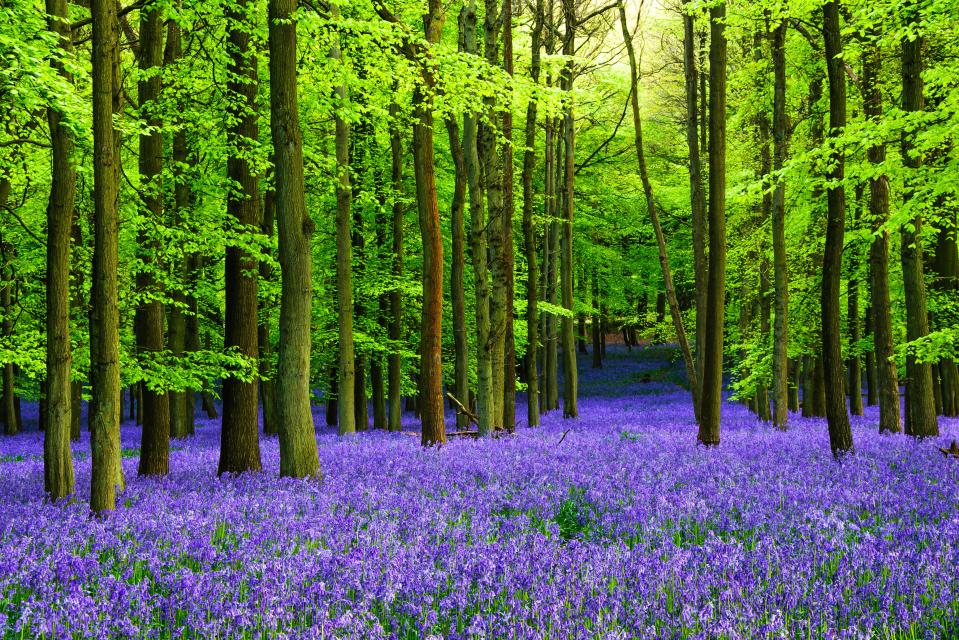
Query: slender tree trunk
[
  {"x": 780, "y": 265},
  {"x": 298, "y": 453},
  {"x": 712, "y": 383},
  {"x": 854, "y": 363},
  {"x": 947, "y": 272},
  {"x": 431, "y": 324},
  {"x": 595, "y": 325},
  {"x": 240, "y": 438},
  {"x": 492, "y": 180},
  {"x": 104, "y": 415},
  {"x": 793, "y": 366},
  {"x": 872, "y": 383},
  {"x": 674, "y": 310},
  {"x": 155, "y": 441},
  {"x": 394, "y": 365},
  {"x": 697, "y": 194},
  {"x": 921, "y": 420},
  {"x": 509, "y": 354},
  {"x": 840, "y": 433},
  {"x": 458, "y": 260},
  {"x": 550, "y": 250},
  {"x": 181, "y": 410},
  {"x": 478, "y": 230},
  {"x": 57, "y": 459},
  {"x": 570, "y": 382},
  {"x": 529, "y": 235},
  {"x": 887, "y": 375},
  {"x": 264, "y": 328}
]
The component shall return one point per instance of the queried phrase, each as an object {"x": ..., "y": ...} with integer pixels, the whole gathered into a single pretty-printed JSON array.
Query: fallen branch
[
  {"x": 463, "y": 410},
  {"x": 565, "y": 433}
]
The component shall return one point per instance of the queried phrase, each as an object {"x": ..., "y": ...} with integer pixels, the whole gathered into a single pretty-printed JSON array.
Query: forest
[{"x": 479, "y": 319}]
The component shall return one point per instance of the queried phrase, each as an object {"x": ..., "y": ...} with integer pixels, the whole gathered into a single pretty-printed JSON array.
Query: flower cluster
[{"x": 623, "y": 528}]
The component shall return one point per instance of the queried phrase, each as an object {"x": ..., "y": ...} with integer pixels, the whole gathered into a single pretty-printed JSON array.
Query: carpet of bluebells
[{"x": 623, "y": 528}]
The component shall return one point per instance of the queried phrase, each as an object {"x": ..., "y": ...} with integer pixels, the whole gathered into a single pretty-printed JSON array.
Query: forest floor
[{"x": 624, "y": 528}]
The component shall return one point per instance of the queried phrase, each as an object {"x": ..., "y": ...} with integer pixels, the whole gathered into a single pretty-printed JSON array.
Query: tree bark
[
  {"x": 298, "y": 453},
  {"x": 674, "y": 311},
  {"x": 433, "y": 429},
  {"x": 264, "y": 328},
  {"x": 780, "y": 265},
  {"x": 854, "y": 362},
  {"x": 148, "y": 324},
  {"x": 458, "y": 261},
  {"x": 712, "y": 383},
  {"x": 240, "y": 438},
  {"x": 104, "y": 414},
  {"x": 394, "y": 364},
  {"x": 58, "y": 473},
  {"x": 947, "y": 281},
  {"x": 479, "y": 239},
  {"x": 697, "y": 196},
  {"x": 921, "y": 420},
  {"x": 840, "y": 433},
  {"x": 570, "y": 374},
  {"x": 529, "y": 234}
]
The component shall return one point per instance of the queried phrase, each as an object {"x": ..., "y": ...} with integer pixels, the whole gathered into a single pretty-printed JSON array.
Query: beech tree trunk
[
  {"x": 431, "y": 324},
  {"x": 264, "y": 328},
  {"x": 529, "y": 234},
  {"x": 478, "y": 228},
  {"x": 148, "y": 324},
  {"x": 780, "y": 414},
  {"x": 947, "y": 281},
  {"x": 240, "y": 438},
  {"x": 58, "y": 474},
  {"x": 570, "y": 374},
  {"x": 674, "y": 311},
  {"x": 712, "y": 383},
  {"x": 104, "y": 414},
  {"x": 394, "y": 364},
  {"x": 921, "y": 420},
  {"x": 298, "y": 453},
  {"x": 697, "y": 194},
  {"x": 840, "y": 433},
  {"x": 458, "y": 260},
  {"x": 181, "y": 410}
]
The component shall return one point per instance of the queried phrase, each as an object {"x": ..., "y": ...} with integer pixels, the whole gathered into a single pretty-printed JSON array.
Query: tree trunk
[
  {"x": 478, "y": 228},
  {"x": 570, "y": 382},
  {"x": 595, "y": 326},
  {"x": 697, "y": 194},
  {"x": 872, "y": 383},
  {"x": 887, "y": 375},
  {"x": 240, "y": 438},
  {"x": 431, "y": 325},
  {"x": 854, "y": 363},
  {"x": 921, "y": 420},
  {"x": 947, "y": 272},
  {"x": 509, "y": 353},
  {"x": 550, "y": 250},
  {"x": 148, "y": 324},
  {"x": 346, "y": 381},
  {"x": 181, "y": 409},
  {"x": 840, "y": 433},
  {"x": 104, "y": 415},
  {"x": 674, "y": 311},
  {"x": 458, "y": 260},
  {"x": 298, "y": 454},
  {"x": 267, "y": 372},
  {"x": 780, "y": 265},
  {"x": 712, "y": 383},
  {"x": 57, "y": 459},
  {"x": 394, "y": 365},
  {"x": 529, "y": 235}
]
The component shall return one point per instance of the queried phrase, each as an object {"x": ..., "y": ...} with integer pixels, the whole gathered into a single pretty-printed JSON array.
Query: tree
[
  {"x": 104, "y": 413},
  {"x": 239, "y": 439},
  {"x": 674, "y": 310},
  {"x": 346, "y": 377},
  {"x": 57, "y": 460},
  {"x": 568, "y": 135},
  {"x": 921, "y": 418},
  {"x": 840, "y": 433},
  {"x": 712, "y": 383},
  {"x": 298, "y": 453},
  {"x": 780, "y": 265}
]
